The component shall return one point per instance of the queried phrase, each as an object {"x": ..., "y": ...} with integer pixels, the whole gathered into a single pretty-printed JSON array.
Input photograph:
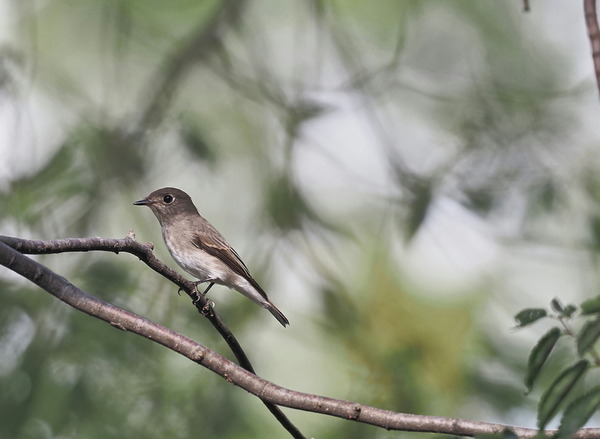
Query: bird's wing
[{"x": 221, "y": 250}]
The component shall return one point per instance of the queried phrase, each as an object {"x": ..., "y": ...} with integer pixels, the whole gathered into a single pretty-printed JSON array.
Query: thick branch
[
  {"x": 591, "y": 20},
  {"x": 265, "y": 390},
  {"x": 145, "y": 254}
]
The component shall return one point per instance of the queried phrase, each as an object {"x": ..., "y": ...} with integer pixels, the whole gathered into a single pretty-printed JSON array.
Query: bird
[{"x": 201, "y": 250}]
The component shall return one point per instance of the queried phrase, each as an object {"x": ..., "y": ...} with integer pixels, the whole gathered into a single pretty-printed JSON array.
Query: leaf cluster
[{"x": 563, "y": 393}]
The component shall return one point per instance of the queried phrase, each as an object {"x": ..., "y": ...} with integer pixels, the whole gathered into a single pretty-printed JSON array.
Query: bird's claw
[{"x": 207, "y": 309}]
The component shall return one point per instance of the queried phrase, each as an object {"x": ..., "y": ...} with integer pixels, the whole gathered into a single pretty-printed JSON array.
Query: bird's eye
[{"x": 168, "y": 199}]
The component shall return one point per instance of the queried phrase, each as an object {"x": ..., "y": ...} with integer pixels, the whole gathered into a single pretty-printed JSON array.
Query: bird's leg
[
  {"x": 208, "y": 288},
  {"x": 198, "y": 282},
  {"x": 207, "y": 308}
]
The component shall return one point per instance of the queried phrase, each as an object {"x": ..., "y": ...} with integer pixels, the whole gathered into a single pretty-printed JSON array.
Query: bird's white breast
[{"x": 194, "y": 260}]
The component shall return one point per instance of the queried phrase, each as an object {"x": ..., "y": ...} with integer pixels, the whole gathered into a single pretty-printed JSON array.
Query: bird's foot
[{"x": 207, "y": 309}]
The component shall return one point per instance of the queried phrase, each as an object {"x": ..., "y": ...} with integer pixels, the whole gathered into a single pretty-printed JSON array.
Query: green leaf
[
  {"x": 569, "y": 310},
  {"x": 539, "y": 354},
  {"x": 421, "y": 193},
  {"x": 529, "y": 316},
  {"x": 591, "y": 306},
  {"x": 555, "y": 395},
  {"x": 557, "y": 306},
  {"x": 578, "y": 413},
  {"x": 588, "y": 336}
]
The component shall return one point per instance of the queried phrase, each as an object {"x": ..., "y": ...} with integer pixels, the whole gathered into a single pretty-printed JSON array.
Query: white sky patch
[{"x": 451, "y": 252}]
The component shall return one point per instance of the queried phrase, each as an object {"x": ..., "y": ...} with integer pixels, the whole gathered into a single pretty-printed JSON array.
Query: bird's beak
[{"x": 143, "y": 202}]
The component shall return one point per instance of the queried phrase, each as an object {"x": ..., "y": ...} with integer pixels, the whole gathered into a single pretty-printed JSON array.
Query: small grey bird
[{"x": 200, "y": 249}]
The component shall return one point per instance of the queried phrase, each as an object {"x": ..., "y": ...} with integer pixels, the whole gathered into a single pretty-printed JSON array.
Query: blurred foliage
[
  {"x": 395, "y": 342},
  {"x": 347, "y": 144}
]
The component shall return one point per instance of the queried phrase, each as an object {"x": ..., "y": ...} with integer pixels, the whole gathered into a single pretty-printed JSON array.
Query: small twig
[
  {"x": 145, "y": 254},
  {"x": 568, "y": 330},
  {"x": 526, "y": 7},
  {"x": 591, "y": 20}
]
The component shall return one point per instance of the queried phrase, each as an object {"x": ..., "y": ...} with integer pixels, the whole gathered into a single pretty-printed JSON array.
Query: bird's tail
[
  {"x": 251, "y": 289},
  {"x": 276, "y": 313}
]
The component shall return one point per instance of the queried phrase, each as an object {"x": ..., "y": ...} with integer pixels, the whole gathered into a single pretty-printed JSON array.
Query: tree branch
[
  {"x": 265, "y": 390},
  {"x": 591, "y": 20},
  {"x": 145, "y": 254}
]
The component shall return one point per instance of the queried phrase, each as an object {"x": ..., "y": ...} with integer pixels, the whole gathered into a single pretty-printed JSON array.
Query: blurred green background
[{"x": 401, "y": 177}]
